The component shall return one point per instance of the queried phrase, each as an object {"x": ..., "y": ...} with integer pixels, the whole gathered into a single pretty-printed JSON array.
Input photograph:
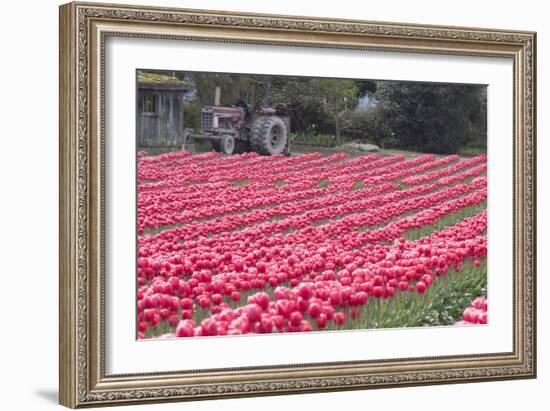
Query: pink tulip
[
  {"x": 235, "y": 296},
  {"x": 185, "y": 328},
  {"x": 321, "y": 321},
  {"x": 295, "y": 318},
  {"x": 314, "y": 310},
  {"x": 253, "y": 312},
  {"x": 421, "y": 287},
  {"x": 339, "y": 318},
  {"x": 476, "y": 313}
]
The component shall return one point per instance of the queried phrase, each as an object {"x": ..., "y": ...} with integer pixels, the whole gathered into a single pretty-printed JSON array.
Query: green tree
[
  {"x": 430, "y": 117},
  {"x": 315, "y": 104}
]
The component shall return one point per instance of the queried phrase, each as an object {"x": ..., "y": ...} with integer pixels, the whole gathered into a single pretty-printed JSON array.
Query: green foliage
[
  {"x": 442, "y": 304},
  {"x": 233, "y": 87},
  {"x": 323, "y": 184},
  {"x": 366, "y": 87},
  {"x": 315, "y": 105},
  {"x": 431, "y": 117},
  {"x": 314, "y": 139},
  {"x": 192, "y": 115},
  {"x": 474, "y": 149},
  {"x": 363, "y": 126},
  {"x": 240, "y": 183},
  {"x": 149, "y": 77}
]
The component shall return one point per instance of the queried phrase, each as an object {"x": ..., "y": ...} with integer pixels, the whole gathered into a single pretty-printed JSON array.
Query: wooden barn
[{"x": 159, "y": 110}]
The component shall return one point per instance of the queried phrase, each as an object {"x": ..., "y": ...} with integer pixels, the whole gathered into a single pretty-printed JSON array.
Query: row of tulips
[{"x": 444, "y": 172}]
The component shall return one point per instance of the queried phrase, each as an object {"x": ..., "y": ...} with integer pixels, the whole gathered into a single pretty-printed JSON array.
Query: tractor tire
[
  {"x": 227, "y": 144},
  {"x": 268, "y": 136}
]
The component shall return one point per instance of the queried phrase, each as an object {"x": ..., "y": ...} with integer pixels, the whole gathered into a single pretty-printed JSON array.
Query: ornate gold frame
[{"x": 83, "y": 30}]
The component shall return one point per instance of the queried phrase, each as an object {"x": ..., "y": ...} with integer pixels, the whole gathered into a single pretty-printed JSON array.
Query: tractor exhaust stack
[{"x": 217, "y": 95}]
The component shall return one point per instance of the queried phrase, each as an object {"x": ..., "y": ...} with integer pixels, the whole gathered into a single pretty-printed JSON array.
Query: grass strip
[{"x": 449, "y": 220}]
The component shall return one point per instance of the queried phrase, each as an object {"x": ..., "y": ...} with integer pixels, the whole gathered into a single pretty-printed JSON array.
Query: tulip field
[{"x": 248, "y": 244}]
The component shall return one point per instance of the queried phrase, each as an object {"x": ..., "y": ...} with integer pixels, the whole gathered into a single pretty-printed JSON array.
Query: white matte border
[{"x": 126, "y": 355}]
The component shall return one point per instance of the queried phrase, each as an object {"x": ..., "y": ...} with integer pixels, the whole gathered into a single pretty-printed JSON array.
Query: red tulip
[
  {"x": 185, "y": 328},
  {"x": 164, "y": 313},
  {"x": 339, "y": 318},
  {"x": 186, "y": 314},
  {"x": 278, "y": 320},
  {"x": 421, "y": 287},
  {"x": 305, "y": 292},
  {"x": 476, "y": 313},
  {"x": 295, "y": 318},
  {"x": 403, "y": 285},
  {"x": 204, "y": 302},
  {"x": 209, "y": 327},
  {"x": 253, "y": 312},
  {"x": 173, "y": 320},
  {"x": 321, "y": 321},
  {"x": 305, "y": 326},
  {"x": 483, "y": 317},
  {"x": 314, "y": 310},
  {"x": 329, "y": 311},
  {"x": 335, "y": 298},
  {"x": 302, "y": 304},
  {"x": 427, "y": 279},
  {"x": 217, "y": 299},
  {"x": 266, "y": 325}
]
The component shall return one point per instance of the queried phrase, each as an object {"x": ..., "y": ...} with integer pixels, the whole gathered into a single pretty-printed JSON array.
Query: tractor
[{"x": 241, "y": 127}]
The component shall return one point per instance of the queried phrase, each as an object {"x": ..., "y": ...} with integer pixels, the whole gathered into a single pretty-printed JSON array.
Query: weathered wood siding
[{"x": 164, "y": 126}]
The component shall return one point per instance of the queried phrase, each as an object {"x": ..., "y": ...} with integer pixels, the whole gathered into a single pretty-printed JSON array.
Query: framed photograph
[{"x": 261, "y": 205}]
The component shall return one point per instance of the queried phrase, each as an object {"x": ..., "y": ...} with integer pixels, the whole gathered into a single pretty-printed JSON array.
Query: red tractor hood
[{"x": 232, "y": 111}]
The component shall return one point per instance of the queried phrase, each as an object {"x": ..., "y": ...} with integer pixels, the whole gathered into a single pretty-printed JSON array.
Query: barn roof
[{"x": 161, "y": 81}]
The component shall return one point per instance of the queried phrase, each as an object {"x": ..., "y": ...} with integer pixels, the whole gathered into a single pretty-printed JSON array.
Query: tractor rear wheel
[{"x": 268, "y": 135}]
